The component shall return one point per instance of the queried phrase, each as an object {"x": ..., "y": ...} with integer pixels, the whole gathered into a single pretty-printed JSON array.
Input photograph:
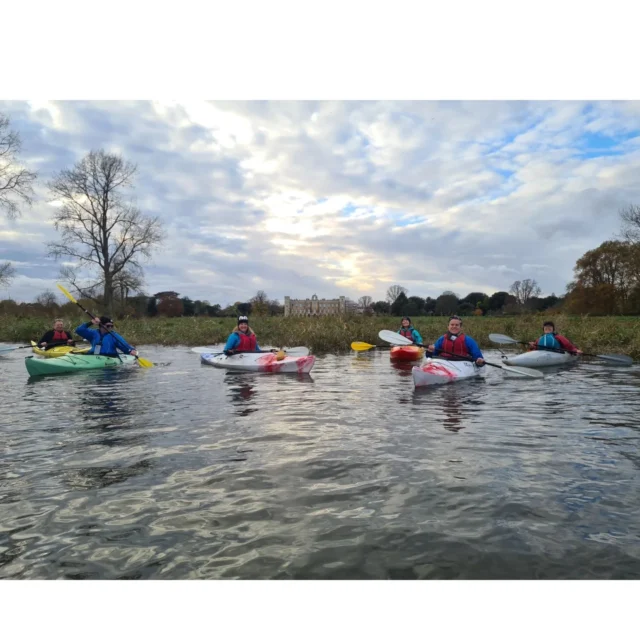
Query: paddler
[
  {"x": 103, "y": 342},
  {"x": 242, "y": 339},
  {"x": 56, "y": 336},
  {"x": 457, "y": 343},
  {"x": 552, "y": 340},
  {"x": 407, "y": 331}
]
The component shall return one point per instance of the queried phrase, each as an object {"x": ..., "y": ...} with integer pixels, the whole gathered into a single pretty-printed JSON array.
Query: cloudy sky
[{"x": 344, "y": 198}]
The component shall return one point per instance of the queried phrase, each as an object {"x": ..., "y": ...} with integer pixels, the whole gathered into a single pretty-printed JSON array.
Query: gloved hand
[{"x": 228, "y": 352}]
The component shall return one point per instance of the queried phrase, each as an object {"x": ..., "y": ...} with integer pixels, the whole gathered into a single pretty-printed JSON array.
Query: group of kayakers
[
  {"x": 104, "y": 340},
  {"x": 453, "y": 344}
]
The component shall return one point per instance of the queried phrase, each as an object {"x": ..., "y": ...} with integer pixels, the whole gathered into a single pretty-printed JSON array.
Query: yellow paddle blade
[
  {"x": 281, "y": 355},
  {"x": 147, "y": 364},
  {"x": 66, "y": 293},
  {"x": 362, "y": 346},
  {"x": 34, "y": 344}
]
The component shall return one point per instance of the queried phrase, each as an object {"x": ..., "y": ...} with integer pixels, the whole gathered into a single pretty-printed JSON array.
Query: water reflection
[
  {"x": 355, "y": 475},
  {"x": 241, "y": 392},
  {"x": 107, "y": 407}
]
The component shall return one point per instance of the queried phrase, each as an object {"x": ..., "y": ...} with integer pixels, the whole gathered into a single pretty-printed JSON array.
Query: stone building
[{"x": 314, "y": 307}]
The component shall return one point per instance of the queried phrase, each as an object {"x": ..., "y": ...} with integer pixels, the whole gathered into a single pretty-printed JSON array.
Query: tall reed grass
[{"x": 608, "y": 334}]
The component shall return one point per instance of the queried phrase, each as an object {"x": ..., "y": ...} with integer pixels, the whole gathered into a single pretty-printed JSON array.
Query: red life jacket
[
  {"x": 248, "y": 342},
  {"x": 407, "y": 333},
  {"x": 457, "y": 346},
  {"x": 60, "y": 336}
]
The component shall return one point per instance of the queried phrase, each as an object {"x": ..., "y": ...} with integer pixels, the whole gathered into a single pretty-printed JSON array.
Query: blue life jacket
[{"x": 549, "y": 340}]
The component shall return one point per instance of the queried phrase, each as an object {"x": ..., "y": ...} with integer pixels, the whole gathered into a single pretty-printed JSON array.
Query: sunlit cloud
[{"x": 344, "y": 198}]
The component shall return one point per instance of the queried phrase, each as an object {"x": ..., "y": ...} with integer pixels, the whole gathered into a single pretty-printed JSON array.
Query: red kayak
[{"x": 406, "y": 354}]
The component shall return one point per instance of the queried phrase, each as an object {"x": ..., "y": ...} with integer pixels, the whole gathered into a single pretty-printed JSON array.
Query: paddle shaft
[
  {"x": 466, "y": 358},
  {"x": 541, "y": 348}
]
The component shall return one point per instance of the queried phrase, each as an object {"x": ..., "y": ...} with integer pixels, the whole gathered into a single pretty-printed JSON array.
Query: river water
[{"x": 186, "y": 471}]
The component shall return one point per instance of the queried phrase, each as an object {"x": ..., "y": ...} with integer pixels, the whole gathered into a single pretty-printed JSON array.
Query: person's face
[
  {"x": 455, "y": 326},
  {"x": 58, "y": 326},
  {"x": 406, "y": 324},
  {"x": 109, "y": 326},
  {"x": 547, "y": 329},
  {"x": 243, "y": 326}
]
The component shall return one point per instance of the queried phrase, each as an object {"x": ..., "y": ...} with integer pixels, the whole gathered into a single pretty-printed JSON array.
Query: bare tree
[
  {"x": 47, "y": 298},
  {"x": 393, "y": 292},
  {"x": 630, "y": 217},
  {"x": 7, "y": 273},
  {"x": 260, "y": 297},
  {"x": 364, "y": 302},
  {"x": 15, "y": 181},
  {"x": 100, "y": 228},
  {"x": 524, "y": 290},
  {"x": 260, "y": 304},
  {"x": 130, "y": 279}
]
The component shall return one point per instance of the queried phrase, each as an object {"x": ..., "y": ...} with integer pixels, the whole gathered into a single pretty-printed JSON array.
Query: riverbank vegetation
[{"x": 334, "y": 334}]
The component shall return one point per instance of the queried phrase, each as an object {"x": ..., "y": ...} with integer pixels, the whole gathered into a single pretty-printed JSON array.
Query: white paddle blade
[
  {"x": 394, "y": 338},
  {"x": 7, "y": 349},
  {"x": 523, "y": 371},
  {"x": 296, "y": 351},
  {"x": 616, "y": 359},
  {"x": 501, "y": 339}
]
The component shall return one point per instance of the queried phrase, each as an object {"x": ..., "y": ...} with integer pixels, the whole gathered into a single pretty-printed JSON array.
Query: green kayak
[{"x": 71, "y": 363}]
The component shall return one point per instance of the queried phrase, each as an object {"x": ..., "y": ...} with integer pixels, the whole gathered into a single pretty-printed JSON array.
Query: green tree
[{"x": 398, "y": 305}]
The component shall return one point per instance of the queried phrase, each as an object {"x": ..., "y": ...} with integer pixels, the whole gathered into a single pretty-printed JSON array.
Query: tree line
[
  {"x": 107, "y": 238},
  {"x": 522, "y": 297}
]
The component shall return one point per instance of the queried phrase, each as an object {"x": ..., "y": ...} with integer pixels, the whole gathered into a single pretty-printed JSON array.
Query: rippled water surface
[{"x": 186, "y": 471}]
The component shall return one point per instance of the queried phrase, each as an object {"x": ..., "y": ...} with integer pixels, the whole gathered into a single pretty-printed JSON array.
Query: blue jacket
[
  {"x": 417, "y": 338},
  {"x": 108, "y": 344},
  {"x": 234, "y": 340},
  {"x": 472, "y": 347}
]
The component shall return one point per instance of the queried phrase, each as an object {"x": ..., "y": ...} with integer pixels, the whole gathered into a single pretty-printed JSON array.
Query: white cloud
[{"x": 347, "y": 197}]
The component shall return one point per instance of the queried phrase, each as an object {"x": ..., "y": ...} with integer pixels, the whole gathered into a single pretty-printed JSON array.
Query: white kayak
[
  {"x": 440, "y": 371},
  {"x": 265, "y": 362},
  {"x": 539, "y": 358}
]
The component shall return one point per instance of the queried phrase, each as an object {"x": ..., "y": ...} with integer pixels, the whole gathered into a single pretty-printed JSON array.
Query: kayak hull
[
  {"x": 261, "y": 362},
  {"x": 442, "y": 371},
  {"x": 56, "y": 352},
  {"x": 73, "y": 363},
  {"x": 407, "y": 354},
  {"x": 537, "y": 359}
]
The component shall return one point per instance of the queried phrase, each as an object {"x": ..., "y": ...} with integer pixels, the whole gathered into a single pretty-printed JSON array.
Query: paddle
[
  {"x": 499, "y": 338},
  {"x": 365, "y": 346},
  {"x": 35, "y": 344},
  {"x": 50, "y": 345},
  {"x": 7, "y": 349},
  {"x": 141, "y": 361},
  {"x": 293, "y": 351},
  {"x": 521, "y": 371}
]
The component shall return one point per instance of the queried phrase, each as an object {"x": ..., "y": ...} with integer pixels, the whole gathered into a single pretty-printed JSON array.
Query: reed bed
[{"x": 602, "y": 334}]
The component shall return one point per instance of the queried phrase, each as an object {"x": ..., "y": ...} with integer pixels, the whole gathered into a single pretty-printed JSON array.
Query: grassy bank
[{"x": 335, "y": 334}]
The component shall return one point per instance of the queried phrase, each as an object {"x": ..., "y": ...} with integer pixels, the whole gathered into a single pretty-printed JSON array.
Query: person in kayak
[
  {"x": 407, "y": 331},
  {"x": 457, "y": 343},
  {"x": 552, "y": 340},
  {"x": 103, "y": 342},
  {"x": 242, "y": 339},
  {"x": 56, "y": 336}
]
